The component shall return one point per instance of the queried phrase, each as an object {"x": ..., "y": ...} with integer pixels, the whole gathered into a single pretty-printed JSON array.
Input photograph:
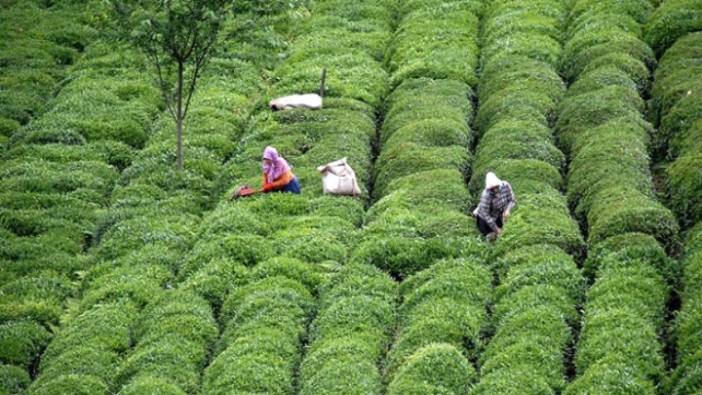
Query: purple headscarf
[{"x": 277, "y": 168}]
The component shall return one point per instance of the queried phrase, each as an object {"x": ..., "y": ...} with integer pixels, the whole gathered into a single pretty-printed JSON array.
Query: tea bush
[
  {"x": 142, "y": 239},
  {"x": 437, "y": 369},
  {"x": 540, "y": 285},
  {"x": 685, "y": 379},
  {"x": 39, "y": 45},
  {"x": 429, "y": 318},
  {"x": 13, "y": 379},
  {"x": 671, "y": 21},
  {"x": 600, "y": 120},
  {"x": 350, "y": 333}
]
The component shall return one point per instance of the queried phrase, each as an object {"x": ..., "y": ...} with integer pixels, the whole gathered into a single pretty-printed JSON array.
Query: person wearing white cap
[{"x": 495, "y": 207}]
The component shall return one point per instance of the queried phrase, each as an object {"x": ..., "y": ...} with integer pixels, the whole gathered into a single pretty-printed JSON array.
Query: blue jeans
[{"x": 292, "y": 187}]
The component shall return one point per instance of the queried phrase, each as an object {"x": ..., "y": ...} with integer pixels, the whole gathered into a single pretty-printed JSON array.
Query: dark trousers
[
  {"x": 292, "y": 187},
  {"x": 484, "y": 228}
]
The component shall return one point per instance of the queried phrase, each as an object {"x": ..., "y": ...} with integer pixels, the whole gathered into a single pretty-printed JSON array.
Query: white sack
[
  {"x": 338, "y": 178},
  {"x": 311, "y": 100}
]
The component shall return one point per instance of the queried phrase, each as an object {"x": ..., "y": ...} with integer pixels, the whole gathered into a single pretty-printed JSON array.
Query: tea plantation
[{"x": 121, "y": 275}]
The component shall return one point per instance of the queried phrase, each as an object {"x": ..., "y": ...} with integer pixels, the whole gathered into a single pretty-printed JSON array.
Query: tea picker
[
  {"x": 277, "y": 176},
  {"x": 495, "y": 207}
]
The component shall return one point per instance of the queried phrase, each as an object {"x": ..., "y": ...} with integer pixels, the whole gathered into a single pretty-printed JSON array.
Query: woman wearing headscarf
[
  {"x": 495, "y": 207},
  {"x": 277, "y": 175}
]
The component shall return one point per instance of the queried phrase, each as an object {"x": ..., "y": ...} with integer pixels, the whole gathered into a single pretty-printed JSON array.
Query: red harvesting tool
[{"x": 244, "y": 191}]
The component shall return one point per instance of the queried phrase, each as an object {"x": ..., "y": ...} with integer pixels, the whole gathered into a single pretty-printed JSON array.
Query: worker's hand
[
  {"x": 499, "y": 231},
  {"x": 505, "y": 215}
]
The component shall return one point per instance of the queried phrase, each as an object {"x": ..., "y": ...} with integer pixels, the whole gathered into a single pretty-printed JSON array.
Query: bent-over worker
[
  {"x": 495, "y": 207},
  {"x": 277, "y": 175}
]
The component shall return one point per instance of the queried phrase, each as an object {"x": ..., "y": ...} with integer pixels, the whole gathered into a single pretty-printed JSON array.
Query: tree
[{"x": 178, "y": 38}]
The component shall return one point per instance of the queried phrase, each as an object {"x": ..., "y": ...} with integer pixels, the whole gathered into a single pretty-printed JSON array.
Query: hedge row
[
  {"x": 418, "y": 218},
  {"x": 443, "y": 312},
  {"x": 609, "y": 185},
  {"x": 265, "y": 325},
  {"x": 686, "y": 379},
  {"x": 351, "y": 333},
  {"x": 677, "y": 98},
  {"x": 55, "y": 186},
  {"x": 539, "y": 282},
  {"x": 140, "y": 242},
  {"x": 424, "y": 143},
  {"x": 173, "y": 335},
  {"x": 255, "y": 308},
  {"x": 601, "y": 126},
  {"x": 38, "y": 43},
  {"x": 619, "y": 349},
  {"x": 676, "y": 93},
  {"x": 415, "y": 51},
  {"x": 84, "y": 354},
  {"x": 290, "y": 241},
  {"x": 672, "y": 20}
]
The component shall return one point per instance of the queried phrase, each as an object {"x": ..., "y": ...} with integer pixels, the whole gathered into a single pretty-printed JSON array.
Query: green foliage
[
  {"x": 429, "y": 188},
  {"x": 601, "y": 77},
  {"x": 442, "y": 304},
  {"x": 260, "y": 362},
  {"x": 686, "y": 378},
  {"x": 586, "y": 46},
  {"x": 670, "y": 21},
  {"x": 683, "y": 116},
  {"x": 516, "y": 140},
  {"x": 177, "y": 313},
  {"x": 104, "y": 327},
  {"x": 169, "y": 357},
  {"x": 350, "y": 333},
  {"x": 356, "y": 75},
  {"x": 13, "y": 379},
  {"x": 214, "y": 280},
  {"x": 611, "y": 376},
  {"x": 610, "y": 155},
  {"x": 530, "y": 176},
  {"x": 646, "y": 292},
  {"x": 265, "y": 323},
  {"x": 541, "y": 325},
  {"x": 37, "y": 297},
  {"x": 536, "y": 265},
  {"x": 38, "y": 45},
  {"x": 70, "y": 384},
  {"x": 620, "y": 209},
  {"x": 512, "y": 381},
  {"x": 630, "y": 247},
  {"x": 416, "y": 53},
  {"x": 440, "y": 367},
  {"x": 360, "y": 376},
  {"x": 620, "y": 334},
  {"x": 140, "y": 283},
  {"x": 543, "y": 360},
  {"x": 169, "y": 232},
  {"x": 676, "y": 74},
  {"x": 21, "y": 342},
  {"x": 541, "y": 218},
  {"x": 586, "y": 111},
  {"x": 533, "y": 296},
  {"x": 402, "y": 256},
  {"x": 83, "y": 361},
  {"x": 146, "y": 385}
]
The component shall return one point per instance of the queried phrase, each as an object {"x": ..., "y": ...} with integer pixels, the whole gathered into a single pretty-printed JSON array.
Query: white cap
[{"x": 491, "y": 180}]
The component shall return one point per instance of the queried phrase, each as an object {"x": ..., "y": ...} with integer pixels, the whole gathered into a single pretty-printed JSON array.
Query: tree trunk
[{"x": 179, "y": 118}]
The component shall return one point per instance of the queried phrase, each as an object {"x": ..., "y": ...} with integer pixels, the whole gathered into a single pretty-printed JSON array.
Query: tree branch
[
  {"x": 199, "y": 64},
  {"x": 163, "y": 84}
]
